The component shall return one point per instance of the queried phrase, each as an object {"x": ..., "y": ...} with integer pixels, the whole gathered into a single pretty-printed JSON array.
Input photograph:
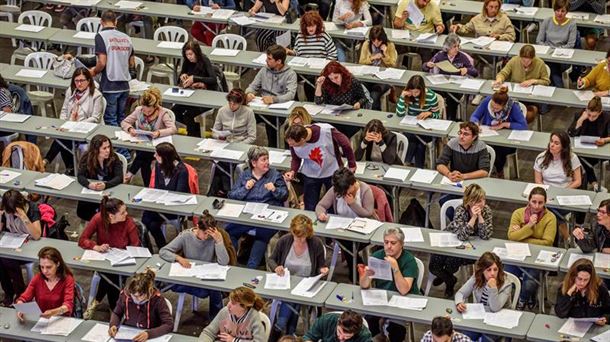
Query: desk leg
[
  {"x": 333, "y": 261},
  {"x": 275, "y": 304},
  {"x": 277, "y": 131},
  {"x": 118, "y": 287},
  {"x": 542, "y": 291},
  {"x": 354, "y": 260},
  {"x": 428, "y": 204},
  {"x": 396, "y": 202}
]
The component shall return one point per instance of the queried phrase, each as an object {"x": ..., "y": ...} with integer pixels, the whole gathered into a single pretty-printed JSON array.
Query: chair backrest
[
  {"x": 230, "y": 41},
  {"x": 17, "y": 158},
  {"x": 449, "y": 204},
  {"x": 354, "y": 139},
  {"x": 38, "y": 18},
  {"x": 523, "y": 109},
  {"x": 123, "y": 161},
  {"x": 442, "y": 106},
  {"x": 492, "y": 159},
  {"x": 171, "y": 34},
  {"x": 402, "y": 145},
  {"x": 517, "y": 283},
  {"x": 169, "y": 305},
  {"x": 266, "y": 324},
  {"x": 139, "y": 67},
  {"x": 548, "y": 69},
  {"x": 89, "y": 24},
  {"x": 40, "y": 60},
  {"x": 420, "y": 272}
]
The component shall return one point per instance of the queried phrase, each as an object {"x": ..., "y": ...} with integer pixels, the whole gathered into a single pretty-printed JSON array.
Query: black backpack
[
  {"x": 415, "y": 215},
  {"x": 220, "y": 79}
]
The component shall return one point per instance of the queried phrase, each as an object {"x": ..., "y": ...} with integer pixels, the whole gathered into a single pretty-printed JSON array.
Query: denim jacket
[{"x": 258, "y": 193}]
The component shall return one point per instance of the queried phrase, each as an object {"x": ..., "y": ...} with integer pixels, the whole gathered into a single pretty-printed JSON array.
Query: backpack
[
  {"x": 193, "y": 179},
  {"x": 51, "y": 228},
  {"x": 221, "y": 80},
  {"x": 80, "y": 303},
  {"x": 415, "y": 215}
]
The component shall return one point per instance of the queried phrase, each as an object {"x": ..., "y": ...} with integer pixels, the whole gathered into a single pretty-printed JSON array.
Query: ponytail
[
  {"x": 107, "y": 207},
  {"x": 142, "y": 283}
]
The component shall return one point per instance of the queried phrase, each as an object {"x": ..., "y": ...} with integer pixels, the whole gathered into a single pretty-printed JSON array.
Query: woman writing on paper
[
  {"x": 592, "y": 122},
  {"x": 472, "y": 218},
  {"x": 262, "y": 184},
  {"x": 100, "y": 169},
  {"x": 378, "y": 144},
  {"x": 20, "y": 216},
  {"x": 170, "y": 174},
  {"x": 204, "y": 242},
  {"x": 52, "y": 288},
  {"x": 499, "y": 111},
  {"x": 536, "y": 225},
  {"x": 303, "y": 255},
  {"x": 113, "y": 228},
  {"x": 380, "y": 52},
  {"x": 150, "y": 117},
  {"x": 83, "y": 102},
  {"x": 488, "y": 284},
  {"x": 598, "y": 78},
  {"x": 583, "y": 294},
  {"x": 422, "y": 102},
  {"x": 491, "y": 22},
  {"x": 142, "y": 306}
]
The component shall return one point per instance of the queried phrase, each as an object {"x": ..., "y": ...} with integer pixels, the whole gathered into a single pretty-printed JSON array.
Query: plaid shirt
[{"x": 457, "y": 337}]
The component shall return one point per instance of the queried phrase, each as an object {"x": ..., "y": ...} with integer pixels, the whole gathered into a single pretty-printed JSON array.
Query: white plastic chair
[
  {"x": 166, "y": 70},
  {"x": 234, "y": 42},
  {"x": 43, "y": 96},
  {"x": 513, "y": 158},
  {"x": 38, "y": 18},
  {"x": 139, "y": 67},
  {"x": 420, "y": 272},
  {"x": 402, "y": 145},
  {"x": 89, "y": 24},
  {"x": 123, "y": 162},
  {"x": 169, "y": 305},
  {"x": 430, "y": 145},
  {"x": 492, "y": 159},
  {"x": 8, "y": 11},
  {"x": 266, "y": 324}
]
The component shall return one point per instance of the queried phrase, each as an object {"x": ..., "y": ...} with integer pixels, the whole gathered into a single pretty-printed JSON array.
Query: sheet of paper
[
  {"x": 364, "y": 225},
  {"x": 549, "y": 258},
  {"x": 541, "y": 49},
  {"x": 271, "y": 215},
  {"x": 435, "y": 124},
  {"x": 167, "y": 139},
  {"x": 563, "y": 53},
  {"x": 211, "y": 271},
  {"x": 231, "y": 210},
  {"x": 29, "y": 28},
  {"x": 170, "y": 45},
  {"x": 115, "y": 256},
  {"x": 520, "y": 135},
  {"x": 127, "y": 333},
  {"x": 576, "y": 256},
  {"x": 409, "y": 120},
  {"x": 177, "y": 199},
  {"x": 212, "y": 144},
  {"x": 243, "y": 20},
  {"x": 578, "y": 15},
  {"x": 258, "y": 102},
  {"x": 374, "y": 297},
  {"x": 276, "y": 157},
  {"x": 390, "y": 73},
  {"x": 413, "y": 234},
  {"x": 176, "y": 270},
  {"x": 260, "y": 60},
  {"x": 224, "y": 52},
  {"x": 517, "y": 249},
  {"x": 99, "y": 333},
  {"x": 29, "y": 309},
  {"x": 471, "y": 83},
  {"x": 517, "y": 88},
  {"x": 285, "y": 39},
  {"x": 128, "y": 4},
  {"x": 137, "y": 86},
  {"x": 338, "y": 222},
  {"x": 78, "y": 126},
  {"x": 276, "y": 282},
  {"x": 486, "y": 131},
  {"x": 360, "y": 168},
  {"x": 222, "y": 13},
  {"x": 382, "y": 269},
  {"x": 447, "y": 181},
  {"x": 603, "y": 337},
  {"x": 138, "y": 252},
  {"x": 474, "y": 311},
  {"x": 504, "y": 318},
  {"x": 178, "y": 92},
  {"x": 530, "y": 11},
  {"x": 357, "y": 31},
  {"x": 574, "y": 200},
  {"x": 59, "y": 325},
  {"x": 447, "y": 67},
  {"x": 444, "y": 240},
  {"x": 602, "y": 260},
  {"x": 150, "y": 195},
  {"x": 584, "y": 95},
  {"x": 317, "y": 63},
  {"x": 503, "y": 46},
  {"x": 8, "y": 175},
  {"x": 574, "y": 328},
  {"x": 397, "y": 173},
  {"x": 227, "y": 154},
  {"x": 203, "y": 10},
  {"x": 313, "y": 109},
  {"x": 424, "y": 176},
  {"x": 503, "y": 254},
  {"x": 437, "y": 79},
  {"x": 85, "y": 35},
  {"x": 482, "y": 41},
  {"x": 92, "y": 255},
  {"x": 429, "y": 38},
  {"x": 415, "y": 14},
  {"x": 578, "y": 143},
  {"x": 55, "y": 181},
  {"x": 298, "y": 61},
  {"x": 602, "y": 18},
  {"x": 31, "y": 73},
  {"x": 401, "y": 34},
  {"x": 13, "y": 117},
  {"x": 308, "y": 287},
  {"x": 281, "y": 105},
  {"x": 544, "y": 91},
  {"x": 410, "y": 303}
]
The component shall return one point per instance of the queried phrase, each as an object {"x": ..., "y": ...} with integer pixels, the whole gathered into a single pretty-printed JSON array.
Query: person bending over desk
[
  {"x": 52, "y": 288},
  {"x": 489, "y": 286},
  {"x": 113, "y": 229},
  {"x": 142, "y": 306},
  {"x": 100, "y": 169},
  {"x": 583, "y": 294},
  {"x": 262, "y": 184},
  {"x": 21, "y": 216},
  {"x": 591, "y": 34},
  {"x": 347, "y": 326},
  {"x": 536, "y": 225},
  {"x": 149, "y": 117},
  {"x": 491, "y": 22},
  {"x": 472, "y": 218},
  {"x": 598, "y": 78},
  {"x": 378, "y": 144},
  {"x": 204, "y": 242},
  {"x": 378, "y": 51},
  {"x": 404, "y": 274},
  {"x": 441, "y": 330}
]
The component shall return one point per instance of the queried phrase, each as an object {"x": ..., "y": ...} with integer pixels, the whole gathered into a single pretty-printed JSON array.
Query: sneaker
[
  {"x": 437, "y": 281},
  {"x": 91, "y": 309},
  {"x": 531, "y": 304},
  {"x": 520, "y": 305},
  {"x": 450, "y": 285},
  {"x": 477, "y": 100}
]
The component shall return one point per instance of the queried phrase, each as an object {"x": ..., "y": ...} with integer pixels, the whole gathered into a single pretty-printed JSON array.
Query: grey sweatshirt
[
  {"x": 241, "y": 123},
  {"x": 248, "y": 328},
  {"x": 559, "y": 36},
  {"x": 281, "y": 85},
  {"x": 496, "y": 298},
  {"x": 193, "y": 248}
]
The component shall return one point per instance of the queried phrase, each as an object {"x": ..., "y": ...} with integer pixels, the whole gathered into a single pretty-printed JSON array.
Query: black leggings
[
  {"x": 142, "y": 162},
  {"x": 105, "y": 288},
  {"x": 11, "y": 279},
  {"x": 66, "y": 155},
  {"x": 187, "y": 115},
  {"x": 153, "y": 222}
]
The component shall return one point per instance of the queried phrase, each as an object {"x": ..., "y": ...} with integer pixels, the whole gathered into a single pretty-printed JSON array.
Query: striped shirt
[
  {"x": 5, "y": 98},
  {"x": 316, "y": 47},
  {"x": 413, "y": 108}
]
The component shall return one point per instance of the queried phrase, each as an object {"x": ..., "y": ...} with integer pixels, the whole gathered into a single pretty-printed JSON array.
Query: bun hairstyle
[
  {"x": 247, "y": 298},
  {"x": 109, "y": 206},
  {"x": 206, "y": 220},
  {"x": 595, "y": 104},
  {"x": 500, "y": 96},
  {"x": 142, "y": 283},
  {"x": 151, "y": 97}
]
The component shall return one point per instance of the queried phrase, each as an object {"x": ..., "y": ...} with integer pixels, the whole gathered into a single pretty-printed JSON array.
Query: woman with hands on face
[
  {"x": 596, "y": 240},
  {"x": 583, "y": 294},
  {"x": 378, "y": 144}
]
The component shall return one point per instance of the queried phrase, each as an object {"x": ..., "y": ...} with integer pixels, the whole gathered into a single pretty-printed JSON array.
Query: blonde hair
[
  {"x": 151, "y": 97},
  {"x": 247, "y": 298},
  {"x": 299, "y": 113},
  {"x": 473, "y": 194},
  {"x": 142, "y": 283},
  {"x": 301, "y": 226}
]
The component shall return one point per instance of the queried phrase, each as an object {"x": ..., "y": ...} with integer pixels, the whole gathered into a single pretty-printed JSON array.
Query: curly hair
[
  {"x": 312, "y": 18},
  {"x": 334, "y": 67}
]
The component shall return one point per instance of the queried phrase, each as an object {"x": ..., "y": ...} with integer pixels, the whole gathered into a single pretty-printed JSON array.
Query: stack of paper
[
  {"x": 230, "y": 210},
  {"x": 549, "y": 258},
  {"x": 119, "y": 257},
  {"x": 444, "y": 240},
  {"x": 437, "y": 79},
  {"x": 336, "y": 110},
  {"x": 586, "y": 142},
  {"x": 360, "y": 167},
  {"x": 574, "y": 200},
  {"x": 56, "y": 325},
  {"x": 575, "y": 257},
  {"x": 8, "y": 175},
  {"x": 357, "y": 31},
  {"x": 211, "y": 145},
  {"x": 138, "y": 252},
  {"x": 520, "y": 135},
  {"x": 474, "y": 311},
  {"x": 55, "y": 181},
  {"x": 563, "y": 53},
  {"x": 545, "y": 91},
  {"x": 271, "y": 215},
  {"x": 397, "y": 174},
  {"x": 242, "y": 20},
  {"x": 136, "y": 85},
  {"x": 541, "y": 49},
  {"x": 424, "y": 176},
  {"x": 281, "y": 105},
  {"x": 260, "y": 60},
  {"x": 408, "y": 303},
  {"x": 374, "y": 297},
  {"x": 222, "y": 13},
  {"x": 276, "y": 282},
  {"x": 12, "y": 240},
  {"x": 364, "y": 225},
  {"x": 503, "y": 254},
  {"x": 308, "y": 287},
  {"x": 269, "y": 18},
  {"x": 504, "y": 318},
  {"x": 602, "y": 260},
  {"x": 128, "y": 4},
  {"x": 78, "y": 126},
  {"x": 517, "y": 250},
  {"x": 338, "y": 222},
  {"x": 13, "y": 117},
  {"x": 150, "y": 195},
  {"x": 413, "y": 234},
  {"x": 390, "y": 73},
  {"x": 530, "y": 186},
  {"x": 124, "y": 136},
  {"x": 577, "y": 327},
  {"x": 224, "y": 52},
  {"x": 435, "y": 124}
]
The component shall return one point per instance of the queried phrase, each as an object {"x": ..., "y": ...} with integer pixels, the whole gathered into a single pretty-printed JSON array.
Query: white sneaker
[
  {"x": 91, "y": 309},
  {"x": 477, "y": 100}
]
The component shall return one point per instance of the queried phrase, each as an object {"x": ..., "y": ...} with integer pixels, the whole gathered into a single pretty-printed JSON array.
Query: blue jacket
[
  {"x": 224, "y": 4},
  {"x": 516, "y": 117},
  {"x": 258, "y": 193}
]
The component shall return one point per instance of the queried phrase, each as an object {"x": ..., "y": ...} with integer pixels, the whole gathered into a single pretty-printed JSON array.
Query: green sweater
[
  {"x": 414, "y": 109},
  {"x": 543, "y": 233},
  {"x": 325, "y": 330}
]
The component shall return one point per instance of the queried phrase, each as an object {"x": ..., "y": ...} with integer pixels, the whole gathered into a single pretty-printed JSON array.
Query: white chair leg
[
  {"x": 95, "y": 281},
  {"x": 179, "y": 308},
  {"x": 30, "y": 270},
  {"x": 431, "y": 278}
]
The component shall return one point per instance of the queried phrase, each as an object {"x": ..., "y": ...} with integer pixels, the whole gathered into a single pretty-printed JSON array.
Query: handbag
[{"x": 63, "y": 67}]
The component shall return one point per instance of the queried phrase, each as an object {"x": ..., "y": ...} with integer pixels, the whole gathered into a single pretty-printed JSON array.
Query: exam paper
[
  {"x": 482, "y": 41},
  {"x": 574, "y": 328},
  {"x": 415, "y": 14},
  {"x": 85, "y": 35},
  {"x": 563, "y": 53},
  {"x": 424, "y": 176},
  {"x": 578, "y": 143},
  {"x": 99, "y": 333},
  {"x": 447, "y": 67},
  {"x": 261, "y": 59},
  {"x": 227, "y": 154},
  {"x": 29, "y": 309},
  {"x": 426, "y": 38},
  {"x": 212, "y": 144},
  {"x": 603, "y": 337},
  {"x": 284, "y": 39},
  {"x": 504, "y": 318},
  {"x": 437, "y": 79},
  {"x": 150, "y": 195},
  {"x": 92, "y": 255},
  {"x": 181, "y": 92},
  {"x": 276, "y": 157},
  {"x": 128, "y": 4},
  {"x": 381, "y": 268},
  {"x": 502, "y": 46},
  {"x": 55, "y": 181},
  {"x": 176, "y": 270},
  {"x": 602, "y": 260},
  {"x": 364, "y": 225},
  {"x": 409, "y": 120},
  {"x": 31, "y": 73},
  {"x": 203, "y": 10},
  {"x": 435, "y": 124},
  {"x": 170, "y": 45},
  {"x": 390, "y": 73},
  {"x": 243, "y": 20},
  {"x": 281, "y": 105},
  {"x": 255, "y": 207},
  {"x": 549, "y": 258},
  {"x": 8, "y": 175},
  {"x": 270, "y": 215},
  {"x": 258, "y": 102},
  {"x": 447, "y": 181},
  {"x": 138, "y": 252},
  {"x": 224, "y": 52},
  {"x": 413, "y": 234},
  {"x": 374, "y": 297},
  {"x": 357, "y": 31},
  {"x": 222, "y": 13},
  {"x": 444, "y": 240},
  {"x": 136, "y": 85},
  {"x": 520, "y": 135},
  {"x": 117, "y": 256},
  {"x": 474, "y": 311},
  {"x": 471, "y": 83},
  {"x": 308, "y": 287},
  {"x": 12, "y": 117},
  {"x": 231, "y": 210},
  {"x": 576, "y": 256},
  {"x": 29, "y": 28},
  {"x": 408, "y": 303},
  {"x": 397, "y": 173},
  {"x": 503, "y": 254},
  {"x": 298, "y": 61},
  {"x": 574, "y": 200},
  {"x": 517, "y": 249},
  {"x": 167, "y": 139},
  {"x": 578, "y": 15},
  {"x": 126, "y": 333},
  {"x": 338, "y": 222},
  {"x": 276, "y": 282},
  {"x": 486, "y": 131},
  {"x": 124, "y": 136},
  {"x": 58, "y": 325},
  {"x": 211, "y": 271},
  {"x": 78, "y": 126},
  {"x": 541, "y": 49},
  {"x": 602, "y": 18},
  {"x": 400, "y": 34},
  {"x": 313, "y": 109},
  {"x": 531, "y": 11},
  {"x": 360, "y": 168},
  {"x": 544, "y": 91},
  {"x": 519, "y": 89}
]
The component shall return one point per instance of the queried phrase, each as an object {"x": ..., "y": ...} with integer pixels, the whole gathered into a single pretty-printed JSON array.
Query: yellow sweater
[
  {"x": 599, "y": 77},
  {"x": 388, "y": 60},
  {"x": 543, "y": 233},
  {"x": 514, "y": 72}
]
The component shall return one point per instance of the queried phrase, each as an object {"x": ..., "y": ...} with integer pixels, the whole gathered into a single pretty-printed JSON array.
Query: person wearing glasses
[{"x": 596, "y": 240}]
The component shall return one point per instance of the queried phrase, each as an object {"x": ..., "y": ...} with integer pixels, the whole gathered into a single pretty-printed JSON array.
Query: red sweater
[
  {"x": 62, "y": 294},
  {"x": 118, "y": 235}
]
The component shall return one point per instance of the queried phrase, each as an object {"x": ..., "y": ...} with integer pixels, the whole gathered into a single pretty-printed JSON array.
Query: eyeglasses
[{"x": 602, "y": 211}]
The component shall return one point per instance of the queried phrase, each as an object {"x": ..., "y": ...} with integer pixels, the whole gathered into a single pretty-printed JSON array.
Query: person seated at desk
[
  {"x": 321, "y": 147},
  {"x": 533, "y": 224},
  {"x": 499, "y": 111},
  {"x": 265, "y": 38},
  {"x": 421, "y": 101},
  {"x": 404, "y": 272},
  {"x": 204, "y": 242},
  {"x": 52, "y": 288},
  {"x": 380, "y": 52},
  {"x": 460, "y": 60},
  {"x": 83, "y": 102},
  {"x": 558, "y": 31},
  {"x": 313, "y": 40},
  {"x": 347, "y": 326},
  {"x": 240, "y": 320},
  {"x": 99, "y": 169},
  {"x": 598, "y": 78},
  {"x": 592, "y": 122},
  {"x": 441, "y": 330},
  {"x": 303, "y": 254},
  {"x": 205, "y": 33},
  {"x": 21, "y": 216},
  {"x": 596, "y": 240},
  {"x": 350, "y": 14},
  {"x": 527, "y": 70},
  {"x": 197, "y": 72},
  {"x": 432, "y": 21},
  {"x": 591, "y": 34},
  {"x": 262, "y": 184},
  {"x": 559, "y": 167},
  {"x": 170, "y": 174},
  {"x": 583, "y": 294},
  {"x": 149, "y": 116},
  {"x": 491, "y": 22},
  {"x": 113, "y": 228},
  {"x": 472, "y": 218},
  {"x": 489, "y": 286},
  {"x": 378, "y": 144},
  {"x": 142, "y": 306}
]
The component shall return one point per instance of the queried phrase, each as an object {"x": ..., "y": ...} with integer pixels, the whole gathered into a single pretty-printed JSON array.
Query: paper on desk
[
  {"x": 224, "y": 52},
  {"x": 509, "y": 7},
  {"x": 413, "y": 234},
  {"x": 381, "y": 268},
  {"x": 517, "y": 249},
  {"x": 426, "y": 38},
  {"x": 456, "y": 79},
  {"x": 243, "y": 20},
  {"x": 576, "y": 256},
  {"x": 180, "y": 93},
  {"x": 91, "y": 255},
  {"x": 271, "y": 215},
  {"x": 401, "y": 34},
  {"x": 308, "y": 287},
  {"x": 276, "y": 157},
  {"x": 374, "y": 297},
  {"x": 29, "y": 309},
  {"x": 136, "y": 85},
  {"x": 447, "y": 67},
  {"x": 338, "y": 222},
  {"x": 437, "y": 79},
  {"x": 313, "y": 109},
  {"x": 360, "y": 168},
  {"x": 255, "y": 207},
  {"x": 578, "y": 15},
  {"x": 602, "y": 18},
  {"x": 298, "y": 61},
  {"x": 78, "y": 126},
  {"x": 519, "y": 89},
  {"x": 444, "y": 240},
  {"x": 474, "y": 311},
  {"x": 503, "y": 254},
  {"x": 222, "y": 13},
  {"x": 541, "y": 49},
  {"x": 390, "y": 73},
  {"x": 544, "y": 91},
  {"x": 138, "y": 252},
  {"x": 116, "y": 256},
  {"x": 284, "y": 39},
  {"x": 563, "y": 53},
  {"x": 503, "y": 46},
  {"x": 471, "y": 83},
  {"x": 281, "y": 105},
  {"x": 258, "y": 102},
  {"x": 364, "y": 225},
  {"x": 415, "y": 14},
  {"x": 29, "y": 28},
  {"x": 549, "y": 258},
  {"x": 227, "y": 154},
  {"x": 397, "y": 173},
  {"x": 584, "y": 95},
  {"x": 203, "y": 10},
  {"x": 357, "y": 31},
  {"x": 55, "y": 181},
  {"x": 447, "y": 181},
  {"x": 128, "y": 4},
  {"x": 409, "y": 120},
  {"x": 99, "y": 333},
  {"x": 482, "y": 41},
  {"x": 261, "y": 59},
  {"x": 170, "y": 45},
  {"x": 8, "y": 175},
  {"x": 127, "y": 333},
  {"x": 212, "y": 144},
  {"x": 435, "y": 124},
  {"x": 531, "y": 11},
  {"x": 573, "y": 328},
  {"x": 167, "y": 139},
  {"x": 520, "y": 135},
  {"x": 176, "y": 270},
  {"x": 31, "y": 73},
  {"x": 58, "y": 325},
  {"x": 578, "y": 143},
  {"x": 269, "y": 18},
  {"x": 424, "y": 176},
  {"x": 231, "y": 210},
  {"x": 603, "y": 337},
  {"x": 530, "y": 186},
  {"x": 87, "y": 191},
  {"x": 276, "y": 282},
  {"x": 124, "y": 136},
  {"x": 317, "y": 63},
  {"x": 336, "y": 109},
  {"x": 85, "y": 35},
  {"x": 211, "y": 271},
  {"x": 486, "y": 131},
  {"x": 574, "y": 200},
  {"x": 504, "y": 318},
  {"x": 408, "y": 303},
  {"x": 602, "y": 260},
  {"x": 12, "y": 117},
  {"x": 150, "y": 195}
]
